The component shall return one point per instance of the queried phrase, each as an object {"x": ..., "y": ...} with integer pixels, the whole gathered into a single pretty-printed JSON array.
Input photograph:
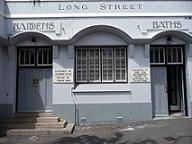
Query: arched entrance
[
  {"x": 34, "y": 73},
  {"x": 168, "y": 82}
]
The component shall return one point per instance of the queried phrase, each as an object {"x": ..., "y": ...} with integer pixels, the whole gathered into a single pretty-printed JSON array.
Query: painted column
[{"x": 189, "y": 80}]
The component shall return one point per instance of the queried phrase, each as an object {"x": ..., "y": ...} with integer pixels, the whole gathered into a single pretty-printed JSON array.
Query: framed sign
[
  {"x": 140, "y": 75},
  {"x": 63, "y": 76}
]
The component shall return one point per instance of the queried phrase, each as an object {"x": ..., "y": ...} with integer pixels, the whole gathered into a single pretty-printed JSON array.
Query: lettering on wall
[
  {"x": 161, "y": 25},
  {"x": 57, "y": 28},
  {"x": 30, "y": 26},
  {"x": 167, "y": 25},
  {"x": 100, "y": 7}
]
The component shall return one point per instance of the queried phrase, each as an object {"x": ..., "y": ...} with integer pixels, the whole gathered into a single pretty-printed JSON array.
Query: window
[
  {"x": 166, "y": 55},
  {"x": 26, "y": 57},
  {"x": 174, "y": 55},
  {"x": 101, "y": 64},
  {"x": 157, "y": 55},
  {"x": 44, "y": 57},
  {"x": 32, "y": 57}
]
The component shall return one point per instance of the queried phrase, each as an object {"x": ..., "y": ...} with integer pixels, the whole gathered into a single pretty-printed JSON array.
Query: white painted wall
[
  {"x": 62, "y": 92},
  {"x": 102, "y": 93}
]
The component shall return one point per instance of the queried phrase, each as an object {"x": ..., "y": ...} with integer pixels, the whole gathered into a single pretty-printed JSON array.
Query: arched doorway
[
  {"x": 168, "y": 76},
  {"x": 34, "y": 72}
]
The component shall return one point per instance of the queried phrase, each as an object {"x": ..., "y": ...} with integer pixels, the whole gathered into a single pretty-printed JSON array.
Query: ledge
[{"x": 96, "y": 88}]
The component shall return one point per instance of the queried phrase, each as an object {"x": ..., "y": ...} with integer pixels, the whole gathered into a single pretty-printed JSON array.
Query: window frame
[
  {"x": 19, "y": 57},
  {"x": 101, "y": 65},
  {"x": 164, "y": 55},
  {"x": 166, "y": 48},
  {"x": 171, "y": 48},
  {"x": 35, "y": 50},
  {"x": 42, "y": 65}
]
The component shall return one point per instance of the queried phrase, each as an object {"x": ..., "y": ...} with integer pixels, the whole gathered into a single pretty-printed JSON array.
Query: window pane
[
  {"x": 26, "y": 57},
  {"x": 157, "y": 55},
  {"x": 81, "y": 65},
  {"x": 120, "y": 64},
  {"x": 22, "y": 56},
  {"x": 94, "y": 64},
  {"x": 179, "y": 53},
  {"x": 175, "y": 55},
  {"x": 107, "y": 64},
  {"x": 162, "y": 58},
  {"x": 40, "y": 53},
  {"x": 50, "y": 59},
  {"x": 44, "y": 57}
]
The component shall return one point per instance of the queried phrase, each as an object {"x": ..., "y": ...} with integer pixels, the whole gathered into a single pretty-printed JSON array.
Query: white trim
[{"x": 68, "y": 15}]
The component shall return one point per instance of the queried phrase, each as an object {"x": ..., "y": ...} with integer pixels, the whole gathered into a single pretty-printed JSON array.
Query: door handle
[
  {"x": 35, "y": 82},
  {"x": 165, "y": 88}
]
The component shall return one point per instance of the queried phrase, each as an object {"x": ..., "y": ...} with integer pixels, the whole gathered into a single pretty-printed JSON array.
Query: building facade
[{"x": 93, "y": 61}]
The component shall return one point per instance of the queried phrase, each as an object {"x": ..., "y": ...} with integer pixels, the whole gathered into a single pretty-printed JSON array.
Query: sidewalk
[{"x": 167, "y": 131}]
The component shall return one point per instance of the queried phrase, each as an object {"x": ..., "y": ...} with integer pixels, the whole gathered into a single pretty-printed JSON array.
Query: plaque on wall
[
  {"x": 139, "y": 75},
  {"x": 63, "y": 76}
]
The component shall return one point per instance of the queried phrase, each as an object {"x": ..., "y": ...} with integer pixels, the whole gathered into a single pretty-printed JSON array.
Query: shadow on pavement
[
  {"x": 87, "y": 139},
  {"x": 147, "y": 142}
]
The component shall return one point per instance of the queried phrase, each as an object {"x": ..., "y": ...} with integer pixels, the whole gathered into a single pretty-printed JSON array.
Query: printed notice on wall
[
  {"x": 63, "y": 76},
  {"x": 140, "y": 75}
]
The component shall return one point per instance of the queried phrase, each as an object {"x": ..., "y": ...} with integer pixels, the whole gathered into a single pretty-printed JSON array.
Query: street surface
[{"x": 168, "y": 131}]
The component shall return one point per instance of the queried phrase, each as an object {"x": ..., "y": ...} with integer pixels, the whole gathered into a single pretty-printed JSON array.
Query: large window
[{"x": 101, "y": 64}]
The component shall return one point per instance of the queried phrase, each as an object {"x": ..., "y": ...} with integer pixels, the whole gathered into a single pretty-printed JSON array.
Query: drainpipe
[{"x": 76, "y": 105}]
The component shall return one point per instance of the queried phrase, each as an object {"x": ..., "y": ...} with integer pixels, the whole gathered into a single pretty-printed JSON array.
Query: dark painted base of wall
[
  {"x": 6, "y": 110},
  {"x": 91, "y": 113}
]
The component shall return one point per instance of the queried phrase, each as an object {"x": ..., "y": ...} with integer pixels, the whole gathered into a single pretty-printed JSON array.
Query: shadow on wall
[{"x": 88, "y": 139}]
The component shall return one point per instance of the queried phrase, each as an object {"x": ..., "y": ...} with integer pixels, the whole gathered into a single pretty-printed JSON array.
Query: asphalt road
[{"x": 174, "y": 131}]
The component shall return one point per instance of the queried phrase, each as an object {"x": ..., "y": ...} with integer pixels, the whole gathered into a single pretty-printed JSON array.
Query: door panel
[
  {"x": 159, "y": 91},
  {"x": 26, "y": 91},
  {"x": 34, "y": 90},
  {"x": 45, "y": 87}
]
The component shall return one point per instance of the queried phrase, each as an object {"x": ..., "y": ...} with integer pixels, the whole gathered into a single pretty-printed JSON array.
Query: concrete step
[
  {"x": 19, "y": 119},
  {"x": 34, "y": 114},
  {"x": 33, "y": 125},
  {"x": 41, "y": 131}
]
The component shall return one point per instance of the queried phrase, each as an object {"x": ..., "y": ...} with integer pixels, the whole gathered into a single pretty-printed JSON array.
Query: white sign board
[
  {"x": 63, "y": 76},
  {"x": 140, "y": 75}
]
